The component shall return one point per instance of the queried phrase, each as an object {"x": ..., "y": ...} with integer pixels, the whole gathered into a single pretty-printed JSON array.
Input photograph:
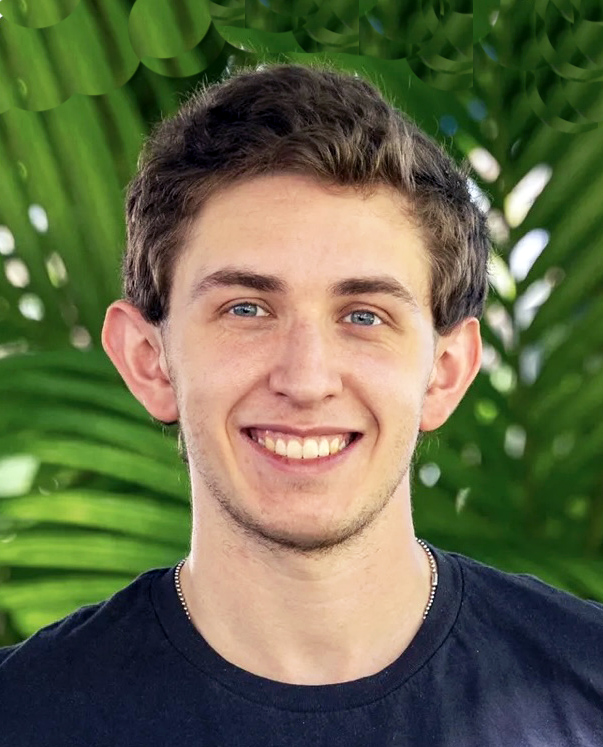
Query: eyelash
[{"x": 251, "y": 303}]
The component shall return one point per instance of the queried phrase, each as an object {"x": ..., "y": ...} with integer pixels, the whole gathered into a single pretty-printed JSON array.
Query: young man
[{"x": 304, "y": 275}]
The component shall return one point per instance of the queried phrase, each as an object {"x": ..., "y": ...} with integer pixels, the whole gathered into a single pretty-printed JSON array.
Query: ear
[
  {"x": 137, "y": 352},
  {"x": 457, "y": 361}
]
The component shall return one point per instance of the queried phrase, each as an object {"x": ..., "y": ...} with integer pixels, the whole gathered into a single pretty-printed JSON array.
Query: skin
[{"x": 300, "y": 578}]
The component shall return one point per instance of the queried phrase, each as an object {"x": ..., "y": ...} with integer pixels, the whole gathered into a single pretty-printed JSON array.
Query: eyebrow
[{"x": 353, "y": 286}]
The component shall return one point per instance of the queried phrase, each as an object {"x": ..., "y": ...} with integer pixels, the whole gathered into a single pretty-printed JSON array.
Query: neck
[{"x": 309, "y": 620}]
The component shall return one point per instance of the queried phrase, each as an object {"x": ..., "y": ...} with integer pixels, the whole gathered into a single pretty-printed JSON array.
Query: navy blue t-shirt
[{"x": 501, "y": 661}]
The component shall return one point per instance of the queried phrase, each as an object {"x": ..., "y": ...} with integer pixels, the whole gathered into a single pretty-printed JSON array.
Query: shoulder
[
  {"x": 82, "y": 638},
  {"x": 525, "y": 609},
  {"x": 523, "y": 589}
]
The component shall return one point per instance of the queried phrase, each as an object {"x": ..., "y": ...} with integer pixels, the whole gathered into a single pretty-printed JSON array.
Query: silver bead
[{"x": 179, "y": 588}]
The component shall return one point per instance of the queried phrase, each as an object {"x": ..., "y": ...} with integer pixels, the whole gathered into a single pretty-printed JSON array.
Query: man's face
[{"x": 294, "y": 355}]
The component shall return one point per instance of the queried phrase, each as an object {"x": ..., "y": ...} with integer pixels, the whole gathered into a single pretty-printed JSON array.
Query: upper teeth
[{"x": 295, "y": 447}]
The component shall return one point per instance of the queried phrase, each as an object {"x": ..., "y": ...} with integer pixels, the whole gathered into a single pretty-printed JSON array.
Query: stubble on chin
[{"x": 276, "y": 539}]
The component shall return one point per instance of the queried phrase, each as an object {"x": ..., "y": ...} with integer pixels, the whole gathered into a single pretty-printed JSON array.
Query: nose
[{"x": 306, "y": 366}]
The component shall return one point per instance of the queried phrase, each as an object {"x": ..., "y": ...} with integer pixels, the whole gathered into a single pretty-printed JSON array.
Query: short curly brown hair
[{"x": 313, "y": 121}]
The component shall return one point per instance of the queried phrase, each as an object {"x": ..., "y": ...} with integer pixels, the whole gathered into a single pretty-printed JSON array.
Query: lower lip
[{"x": 301, "y": 466}]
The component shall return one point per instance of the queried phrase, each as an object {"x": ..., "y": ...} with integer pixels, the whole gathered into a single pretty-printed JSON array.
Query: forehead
[{"x": 307, "y": 233}]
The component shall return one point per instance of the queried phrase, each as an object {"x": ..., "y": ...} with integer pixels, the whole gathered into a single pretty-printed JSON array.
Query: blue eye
[
  {"x": 249, "y": 309},
  {"x": 366, "y": 316}
]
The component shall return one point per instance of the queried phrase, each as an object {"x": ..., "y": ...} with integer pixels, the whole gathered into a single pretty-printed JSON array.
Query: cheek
[
  {"x": 393, "y": 393},
  {"x": 401, "y": 371},
  {"x": 212, "y": 382},
  {"x": 225, "y": 350}
]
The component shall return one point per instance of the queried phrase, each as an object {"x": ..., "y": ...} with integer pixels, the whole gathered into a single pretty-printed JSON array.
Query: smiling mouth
[{"x": 301, "y": 449}]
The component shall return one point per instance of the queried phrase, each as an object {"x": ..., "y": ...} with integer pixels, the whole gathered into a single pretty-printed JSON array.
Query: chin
[{"x": 308, "y": 535}]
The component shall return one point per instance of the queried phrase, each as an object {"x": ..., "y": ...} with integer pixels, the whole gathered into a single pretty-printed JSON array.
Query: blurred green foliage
[{"x": 91, "y": 491}]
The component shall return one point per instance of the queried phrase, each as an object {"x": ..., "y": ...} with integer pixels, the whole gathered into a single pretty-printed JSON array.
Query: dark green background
[{"x": 91, "y": 491}]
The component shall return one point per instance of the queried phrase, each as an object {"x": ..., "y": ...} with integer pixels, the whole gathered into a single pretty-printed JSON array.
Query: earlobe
[
  {"x": 136, "y": 350},
  {"x": 458, "y": 359}
]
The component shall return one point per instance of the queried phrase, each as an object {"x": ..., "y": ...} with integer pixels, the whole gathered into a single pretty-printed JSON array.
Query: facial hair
[{"x": 278, "y": 539}]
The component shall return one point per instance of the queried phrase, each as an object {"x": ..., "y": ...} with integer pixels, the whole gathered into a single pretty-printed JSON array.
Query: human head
[
  {"x": 288, "y": 171},
  {"x": 324, "y": 124}
]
